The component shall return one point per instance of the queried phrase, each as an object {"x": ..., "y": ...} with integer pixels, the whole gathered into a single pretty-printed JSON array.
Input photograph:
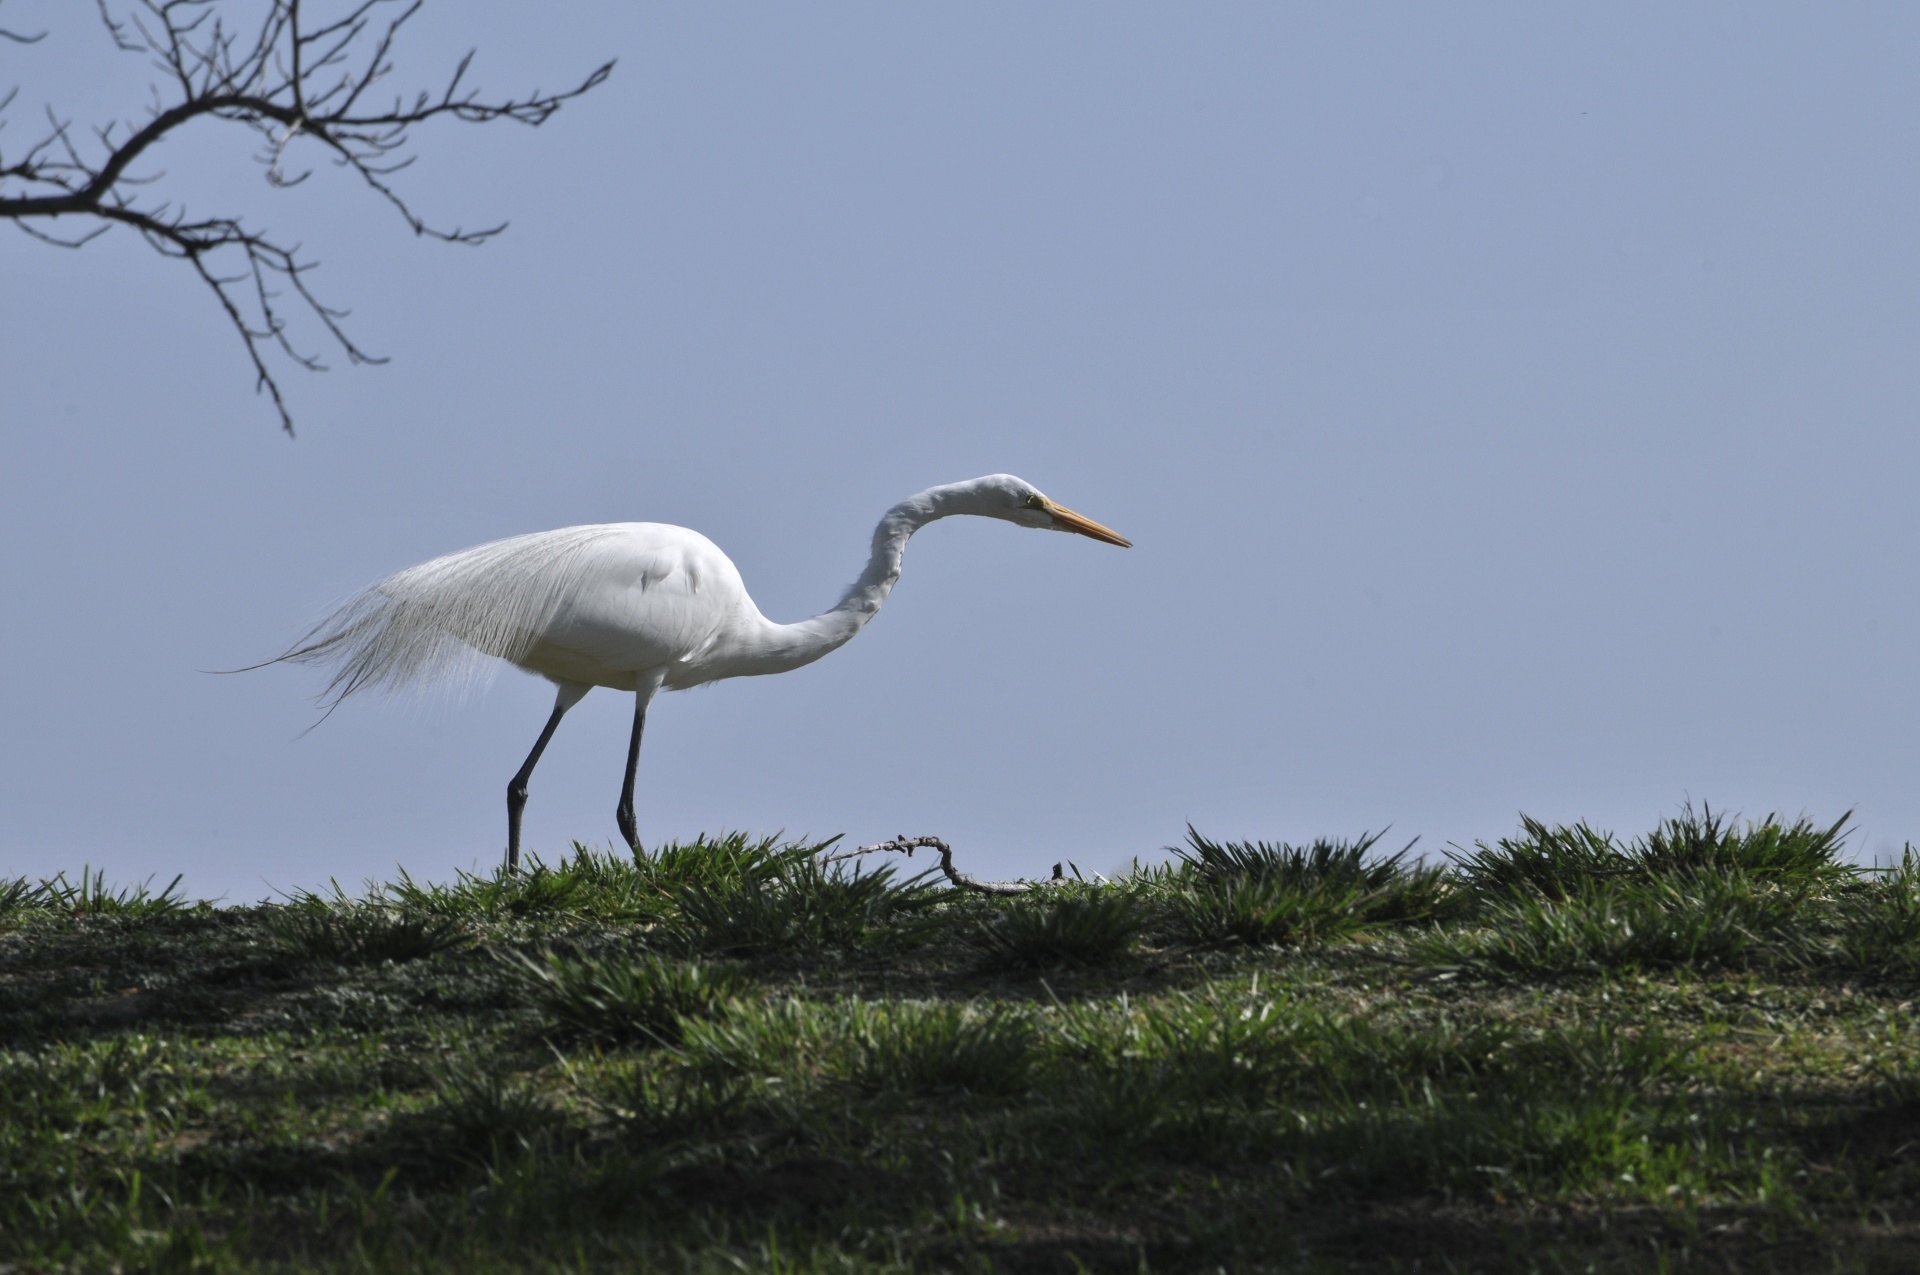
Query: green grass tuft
[
  {"x": 626, "y": 998},
  {"x": 1548, "y": 862},
  {"x": 1276, "y": 911},
  {"x": 480, "y": 1114},
  {"x": 1324, "y": 863},
  {"x": 1800, "y": 855},
  {"x": 1070, "y": 925},
  {"x": 603, "y": 886},
  {"x": 1880, "y": 918},
  {"x": 358, "y": 934},
  {"x": 1705, "y": 919},
  {"x": 916, "y": 1047},
  {"x": 1264, "y": 893},
  {"x": 792, "y": 903},
  {"x": 1558, "y": 862},
  {"x": 91, "y": 896},
  {"x": 663, "y": 1106}
]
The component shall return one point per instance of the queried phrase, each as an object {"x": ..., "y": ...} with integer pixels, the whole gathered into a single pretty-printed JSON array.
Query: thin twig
[
  {"x": 19, "y": 38},
  {"x": 907, "y": 845}
]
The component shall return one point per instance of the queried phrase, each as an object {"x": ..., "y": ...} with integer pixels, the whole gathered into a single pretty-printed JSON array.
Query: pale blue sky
[{"x": 1512, "y": 407}]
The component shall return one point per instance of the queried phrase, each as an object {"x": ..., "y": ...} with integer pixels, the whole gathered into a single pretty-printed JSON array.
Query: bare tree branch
[
  {"x": 17, "y": 38},
  {"x": 907, "y": 845},
  {"x": 289, "y": 80}
]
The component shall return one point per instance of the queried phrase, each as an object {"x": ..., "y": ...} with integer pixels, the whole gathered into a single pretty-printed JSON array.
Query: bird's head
[{"x": 1017, "y": 500}]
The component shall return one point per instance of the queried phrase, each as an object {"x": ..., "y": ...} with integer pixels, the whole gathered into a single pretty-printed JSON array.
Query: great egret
[{"x": 634, "y": 606}]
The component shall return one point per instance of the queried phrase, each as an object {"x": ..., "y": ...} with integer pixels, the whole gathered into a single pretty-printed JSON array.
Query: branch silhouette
[
  {"x": 287, "y": 79},
  {"x": 903, "y": 844}
]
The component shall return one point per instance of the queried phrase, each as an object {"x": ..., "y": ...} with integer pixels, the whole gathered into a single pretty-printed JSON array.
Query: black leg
[
  {"x": 517, "y": 788},
  {"x": 624, "y": 815}
]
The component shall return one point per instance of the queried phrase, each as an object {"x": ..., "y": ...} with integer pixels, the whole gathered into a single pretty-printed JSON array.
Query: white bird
[{"x": 633, "y": 606}]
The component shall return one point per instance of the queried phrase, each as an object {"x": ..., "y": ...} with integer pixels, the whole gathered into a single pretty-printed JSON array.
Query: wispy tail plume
[{"x": 447, "y": 620}]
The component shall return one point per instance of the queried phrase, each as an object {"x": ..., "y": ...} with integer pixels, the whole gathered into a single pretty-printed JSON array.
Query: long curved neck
[{"x": 788, "y": 646}]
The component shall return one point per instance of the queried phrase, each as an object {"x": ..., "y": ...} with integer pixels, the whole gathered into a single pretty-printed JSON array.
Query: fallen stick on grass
[{"x": 907, "y": 845}]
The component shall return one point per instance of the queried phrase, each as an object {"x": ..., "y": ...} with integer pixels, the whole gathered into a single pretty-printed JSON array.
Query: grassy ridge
[{"x": 1561, "y": 1051}]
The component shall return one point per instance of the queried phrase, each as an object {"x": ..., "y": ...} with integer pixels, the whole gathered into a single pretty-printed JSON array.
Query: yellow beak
[{"x": 1067, "y": 520}]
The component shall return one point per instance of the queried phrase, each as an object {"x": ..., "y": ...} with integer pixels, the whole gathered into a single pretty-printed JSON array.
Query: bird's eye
[{"x": 1036, "y": 501}]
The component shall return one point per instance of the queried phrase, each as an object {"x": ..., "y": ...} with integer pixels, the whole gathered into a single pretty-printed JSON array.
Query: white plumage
[
  {"x": 634, "y": 606},
  {"x": 438, "y": 622}
]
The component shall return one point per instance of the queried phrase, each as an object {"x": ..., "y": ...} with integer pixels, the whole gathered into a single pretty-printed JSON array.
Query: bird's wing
[
  {"x": 646, "y": 595},
  {"x": 609, "y": 598}
]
